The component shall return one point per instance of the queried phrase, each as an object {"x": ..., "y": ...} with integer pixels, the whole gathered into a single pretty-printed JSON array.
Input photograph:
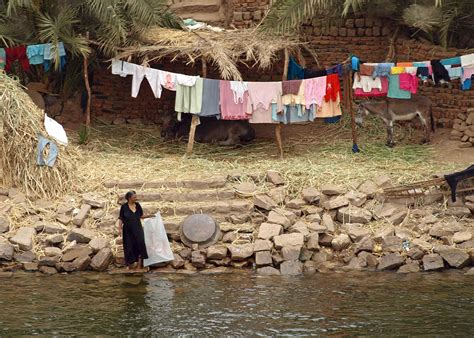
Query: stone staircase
[
  {"x": 213, "y": 12},
  {"x": 176, "y": 200}
]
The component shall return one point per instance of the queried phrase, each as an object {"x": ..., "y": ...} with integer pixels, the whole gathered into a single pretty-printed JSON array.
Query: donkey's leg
[
  {"x": 425, "y": 122},
  {"x": 390, "y": 141}
]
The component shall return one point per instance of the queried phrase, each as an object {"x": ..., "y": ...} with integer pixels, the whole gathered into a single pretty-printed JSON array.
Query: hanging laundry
[
  {"x": 210, "y": 98},
  {"x": 411, "y": 70},
  {"x": 312, "y": 73},
  {"x": 409, "y": 82},
  {"x": 52, "y": 152},
  {"x": 122, "y": 68},
  {"x": 375, "y": 92},
  {"x": 189, "y": 98},
  {"x": 55, "y": 130},
  {"x": 404, "y": 64},
  {"x": 48, "y": 55},
  {"x": 397, "y": 70},
  {"x": 355, "y": 63},
  {"x": 335, "y": 70},
  {"x": 366, "y": 83},
  {"x": 333, "y": 88},
  {"x": 314, "y": 91},
  {"x": 291, "y": 87},
  {"x": 239, "y": 88},
  {"x": 467, "y": 60},
  {"x": 168, "y": 80},
  {"x": 3, "y": 58},
  {"x": 295, "y": 71},
  {"x": 454, "y": 73},
  {"x": 439, "y": 72},
  {"x": 16, "y": 54},
  {"x": 466, "y": 78},
  {"x": 451, "y": 61},
  {"x": 186, "y": 80},
  {"x": 229, "y": 109},
  {"x": 383, "y": 69},
  {"x": 294, "y": 99},
  {"x": 35, "y": 54},
  {"x": 394, "y": 90},
  {"x": 366, "y": 70},
  {"x": 152, "y": 75},
  {"x": 263, "y": 94},
  {"x": 423, "y": 72}
]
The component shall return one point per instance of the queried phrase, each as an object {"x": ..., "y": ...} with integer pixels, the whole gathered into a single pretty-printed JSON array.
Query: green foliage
[
  {"x": 84, "y": 134},
  {"x": 447, "y": 22}
]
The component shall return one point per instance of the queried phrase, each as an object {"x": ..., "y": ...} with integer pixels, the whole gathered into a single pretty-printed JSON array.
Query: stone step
[
  {"x": 220, "y": 208},
  {"x": 181, "y": 196},
  {"x": 172, "y": 225},
  {"x": 197, "y": 184}
]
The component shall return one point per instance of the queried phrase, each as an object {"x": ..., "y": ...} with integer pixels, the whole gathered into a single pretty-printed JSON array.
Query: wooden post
[
  {"x": 195, "y": 118},
  {"x": 279, "y": 126},
  {"x": 355, "y": 147},
  {"x": 88, "y": 89}
]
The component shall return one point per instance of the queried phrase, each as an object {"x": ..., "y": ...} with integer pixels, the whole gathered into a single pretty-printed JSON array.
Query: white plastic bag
[
  {"x": 55, "y": 130},
  {"x": 156, "y": 241}
]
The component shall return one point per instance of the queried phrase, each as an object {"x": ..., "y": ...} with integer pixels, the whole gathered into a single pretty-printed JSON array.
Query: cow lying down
[{"x": 210, "y": 130}]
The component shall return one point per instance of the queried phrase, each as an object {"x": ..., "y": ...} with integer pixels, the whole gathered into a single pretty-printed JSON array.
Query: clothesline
[
  {"x": 400, "y": 80},
  {"x": 291, "y": 101},
  {"x": 36, "y": 54}
]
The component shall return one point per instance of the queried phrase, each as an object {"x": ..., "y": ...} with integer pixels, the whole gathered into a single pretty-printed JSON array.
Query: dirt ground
[{"x": 447, "y": 151}]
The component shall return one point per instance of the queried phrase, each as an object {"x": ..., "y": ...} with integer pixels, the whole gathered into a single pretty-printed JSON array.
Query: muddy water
[{"x": 238, "y": 304}]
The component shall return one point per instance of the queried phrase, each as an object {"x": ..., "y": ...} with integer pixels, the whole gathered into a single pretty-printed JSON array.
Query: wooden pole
[
  {"x": 88, "y": 90},
  {"x": 195, "y": 118},
  {"x": 279, "y": 126},
  {"x": 355, "y": 147}
]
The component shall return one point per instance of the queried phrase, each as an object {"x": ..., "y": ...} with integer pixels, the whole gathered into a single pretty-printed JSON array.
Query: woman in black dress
[{"x": 130, "y": 227}]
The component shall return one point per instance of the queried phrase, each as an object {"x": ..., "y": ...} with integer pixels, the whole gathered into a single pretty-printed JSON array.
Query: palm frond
[
  {"x": 14, "y": 6},
  {"x": 288, "y": 15}
]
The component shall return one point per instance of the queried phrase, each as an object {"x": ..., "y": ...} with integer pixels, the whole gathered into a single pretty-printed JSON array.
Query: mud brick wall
[
  {"x": 249, "y": 12},
  {"x": 365, "y": 37}
]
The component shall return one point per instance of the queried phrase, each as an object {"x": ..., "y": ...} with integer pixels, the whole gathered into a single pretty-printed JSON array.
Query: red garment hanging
[
  {"x": 17, "y": 54},
  {"x": 333, "y": 88}
]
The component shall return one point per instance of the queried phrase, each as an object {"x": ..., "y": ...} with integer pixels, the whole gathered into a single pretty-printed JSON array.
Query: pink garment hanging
[
  {"x": 262, "y": 94},
  {"x": 230, "y": 110},
  {"x": 291, "y": 87},
  {"x": 409, "y": 82},
  {"x": 375, "y": 92},
  {"x": 314, "y": 90}
]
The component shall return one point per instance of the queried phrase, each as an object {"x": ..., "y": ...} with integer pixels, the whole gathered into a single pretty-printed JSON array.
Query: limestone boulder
[
  {"x": 353, "y": 214},
  {"x": 341, "y": 242},
  {"x": 6, "y": 251},
  {"x": 369, "y": 188},
  {"x": 432, "y": 262},
  {"x": 263, "y": 258},
  {"x": 336, "y": 202},
  {"x": 287, "y": 240},
  {"x": 48, "y": 270},
  {"x": 198, "y": 259},
  {"x": 295, "y": 203},
  {"x": 356, "y": 198},
  {"x": 356, "y": 232},
  {"x": 51, "y": 228},
  {"x": 77, "y": 252},
  {"x": 275, "y": 177},
  {"x": 291, "y": 268},
  {"x": 24, "y": 257},
  {"x": 4, "y": 224},
  {"x": 456, "y": 258},
  {"x": 81, "y": 235},
  {"x": 262, "y": 245},
  {"x": 441, "y": 230},
  {"x": 263, "y": 201},
  {"x": 332, "y": 190},
  {"x": 386, "y": 210},
  {"x": 462, "y": 236},
  {"x": 268, "y": 271},
  {"x": 177, "y": 262},
  {"x": 82, "y": 215},
  {"x": 409, "y": 268},
  {"x": 52, "y": 251},
  {"x": 313, "y": 241},
  {"x": 392, "y": 244},
  {"x": 24, "y": 238},
  {"x": 276, "y": 218},
  {"x": 277, "y": 194},
  {"x": 240, "y": 252},
  {"x": 48, "y": 261},
  {"x": 311, "y": 195},
  {"x": 54, "y": 239},
  {"x": 81, "y": 263},
  {"x": 299, "y": 227},
  {"x": 291, "y": 253},
  {"x": 328, "y": 223},
  {"x": 390, "y": 261},
  {"x": 216, "y": 252},
  {"x": 269, "y": 231},
  {"x": 98, "y": 243},
  {"x": 94, "y": 201},
  {"x": 365, "y": 244}
]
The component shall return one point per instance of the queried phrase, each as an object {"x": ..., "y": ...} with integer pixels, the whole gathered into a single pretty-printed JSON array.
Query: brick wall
[
  {"x": 365, "y": 37},
  {"x": 248, "y": 12}
]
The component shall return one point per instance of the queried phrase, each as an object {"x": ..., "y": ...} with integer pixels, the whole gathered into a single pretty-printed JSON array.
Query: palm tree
[
  {"x": 447, "y": 22},
  {"x": 111, "y": 23}
]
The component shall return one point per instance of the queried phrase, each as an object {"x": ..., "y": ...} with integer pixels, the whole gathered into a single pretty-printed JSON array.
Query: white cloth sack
[
  {"x": 156, "y": 241},
  {"x": 55, "y": 130}
]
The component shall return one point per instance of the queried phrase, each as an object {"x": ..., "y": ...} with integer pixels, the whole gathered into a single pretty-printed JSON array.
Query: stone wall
[{"x": 365, "y": 37}]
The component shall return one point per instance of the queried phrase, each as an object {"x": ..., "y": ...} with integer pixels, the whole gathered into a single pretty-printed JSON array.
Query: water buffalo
[
  {"x": 210, "y": 130},
  {"x": 391, "y": 110}
]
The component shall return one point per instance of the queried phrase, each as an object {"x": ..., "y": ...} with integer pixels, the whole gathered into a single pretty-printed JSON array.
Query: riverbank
[{"x": 320, "y": 209}]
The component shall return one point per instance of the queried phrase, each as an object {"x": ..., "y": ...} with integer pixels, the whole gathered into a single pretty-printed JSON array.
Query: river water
[{"x": 238, "y": 304}]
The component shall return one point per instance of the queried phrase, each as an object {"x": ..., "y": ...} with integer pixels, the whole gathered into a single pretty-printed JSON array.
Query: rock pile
[
  {"x": 321, "y": 230},
  {"x": 463, "y": 129}
]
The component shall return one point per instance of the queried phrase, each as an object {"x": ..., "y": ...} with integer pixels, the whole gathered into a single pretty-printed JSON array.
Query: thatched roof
[{"x": 225, "y": 49}]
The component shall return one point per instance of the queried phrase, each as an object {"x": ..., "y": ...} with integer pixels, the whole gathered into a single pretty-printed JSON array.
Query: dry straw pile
[{"x": 22, "y": 121}]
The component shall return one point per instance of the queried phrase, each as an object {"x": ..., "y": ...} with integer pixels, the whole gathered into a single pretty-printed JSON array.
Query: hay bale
[{"x": 22, "y": 122}]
